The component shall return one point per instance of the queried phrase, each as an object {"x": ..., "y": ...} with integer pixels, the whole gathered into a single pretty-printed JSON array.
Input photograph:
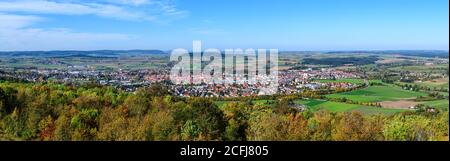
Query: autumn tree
[
  {"x": 204, "y": 115},
  {"x": 85, "y": 124},
  {"x": 408, "y": 128},
  {"x": 265, "y": 125},
  {"x": 236, "y": 115},
  {"x": 46, "y": 129},
  {"x": 373, "y": 127},
  {"x": 62, "y": 130},
  {"x": 350, "y": 127},
  {"x": 320, "y": 126},
  {"x": 137, "y": 105},
  {"x": 297, "y": 127}
]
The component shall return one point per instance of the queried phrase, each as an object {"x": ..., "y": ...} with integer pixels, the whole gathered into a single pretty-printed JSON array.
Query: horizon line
[{"x": 356, "y": 50}]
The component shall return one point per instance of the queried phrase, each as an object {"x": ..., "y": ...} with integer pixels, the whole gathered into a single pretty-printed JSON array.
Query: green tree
[
  {"x": 164, "y": 126},
  {"x": 85, "y": 124},
  {"x": 204, "y": 114},
  {"x": 320, "y": 126},
  {"x": 62, "y": 130},
  {"x": 13, "y": 125},
  {"x": 297, "y": 127},
  {"x": 408, "y": 128},
  {"x": 350, "y": 127},
  {"x": 46, "y": 128},
  {"x": 236, "y": 115},
  {"x": 264, "y": 125},
  {"x": 138, "y": 104},
  {"x": 190, "y": 131}
]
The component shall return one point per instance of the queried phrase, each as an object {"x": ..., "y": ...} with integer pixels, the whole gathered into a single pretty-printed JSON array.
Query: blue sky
[{"x": 169, "y": 24}]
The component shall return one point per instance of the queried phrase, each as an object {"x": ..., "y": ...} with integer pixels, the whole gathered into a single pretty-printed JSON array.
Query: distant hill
[
  {"x": 72, "y": 53},
  {"x": 341, "y": 61},
  {"x": 421, "y": 53},
  {"x": 116, "y": 53}
]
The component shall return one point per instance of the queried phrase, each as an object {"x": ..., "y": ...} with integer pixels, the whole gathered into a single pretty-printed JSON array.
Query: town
[{"x": 290, "y": 81}]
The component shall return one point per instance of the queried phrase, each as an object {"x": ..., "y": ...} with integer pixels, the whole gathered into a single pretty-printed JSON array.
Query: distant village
[{"x": 289, "y": 81}]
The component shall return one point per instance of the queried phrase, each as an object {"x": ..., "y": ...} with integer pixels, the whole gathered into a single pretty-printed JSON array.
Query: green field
[
  {"x": 437, "y": 83},
  {"x": 440, "y": 68},
  {"x": 316, "y": 105},
  {"x": 440, "y": 104},
  {"x": 141, "y": 62},
  {"x": 444, "y": 83},
  {"x": 378, "y": 94}
]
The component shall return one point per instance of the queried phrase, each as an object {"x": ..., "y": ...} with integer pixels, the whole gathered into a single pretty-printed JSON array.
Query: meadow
[
  {"x": 437, "y": 83},
  {"x": 439, "y": 68},
  {"x": 441, "y": 83},
  {"x": 316, "y": 105},
  {"x": 439, "y": 104},
  {"x": 378, "y": 94}
]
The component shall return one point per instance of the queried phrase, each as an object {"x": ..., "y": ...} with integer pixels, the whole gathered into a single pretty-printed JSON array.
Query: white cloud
[
  {"x": 130, "y": 2},
  {"x": 16, "y": 34},
  {"x": 72, "y": 8},
  {"x": 135, "y": 10},
  {"x": 45, "y": 39},
  {"x": 16, "y": 21}
]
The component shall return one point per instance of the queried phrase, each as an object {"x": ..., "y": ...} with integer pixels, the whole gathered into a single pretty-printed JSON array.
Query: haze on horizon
[{"x": 306, "y": 25}]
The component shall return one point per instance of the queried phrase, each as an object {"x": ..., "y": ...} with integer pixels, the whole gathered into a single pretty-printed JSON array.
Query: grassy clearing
[
  {"x": 440, "y": 104},
  {"x": 378, "y": 94},
  {"x": 316, "y": 105},
  {"x": 437, "y": 83},
  {"x": 409, "y": 68},
  {"x": 421, "y": 68}
]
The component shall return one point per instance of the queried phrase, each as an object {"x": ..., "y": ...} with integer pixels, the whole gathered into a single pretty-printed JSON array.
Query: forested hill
[
  {"x": 80, "y": 53},
  {"x": 420, "y": 53},
  {"x": 45, "y": 111}
]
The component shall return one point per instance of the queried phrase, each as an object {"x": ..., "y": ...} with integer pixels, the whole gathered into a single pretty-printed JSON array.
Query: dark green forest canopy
[{"x": 342, "y": 61}]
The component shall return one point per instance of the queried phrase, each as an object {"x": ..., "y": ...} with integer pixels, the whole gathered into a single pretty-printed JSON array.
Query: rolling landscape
[
  {"x": 111, "y": 93},
  {"x": 225, "y": 72}
]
